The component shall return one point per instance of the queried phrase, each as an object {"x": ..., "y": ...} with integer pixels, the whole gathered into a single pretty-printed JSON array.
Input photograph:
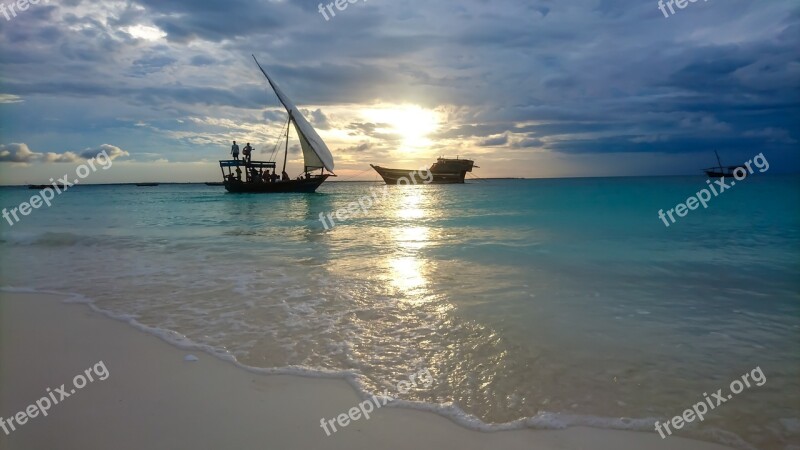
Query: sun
[{"x": 411, "y": 122}]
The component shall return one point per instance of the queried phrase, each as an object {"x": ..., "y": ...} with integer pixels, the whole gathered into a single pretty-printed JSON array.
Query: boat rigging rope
[
  {"x": 476, "y": 177},
  {"x": 280, "y": 139},
  {"x": 359, "y": 173}
]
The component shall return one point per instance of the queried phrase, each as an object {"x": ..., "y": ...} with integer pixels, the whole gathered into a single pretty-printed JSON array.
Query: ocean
[{"x": 533, "y": 303}]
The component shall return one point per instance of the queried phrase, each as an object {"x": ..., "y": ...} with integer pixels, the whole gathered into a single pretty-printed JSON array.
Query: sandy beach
[{"x": 153, "y": 398}]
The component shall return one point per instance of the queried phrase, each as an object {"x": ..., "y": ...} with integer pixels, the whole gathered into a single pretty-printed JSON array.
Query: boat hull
[
  {"x": 405, "y": 176},
  {"x": 304, "y": 185},
  {"x": 711, "y": 173}
]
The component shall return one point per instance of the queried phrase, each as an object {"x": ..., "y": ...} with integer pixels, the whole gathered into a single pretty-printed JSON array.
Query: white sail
[{"x": 315, "y": 153}]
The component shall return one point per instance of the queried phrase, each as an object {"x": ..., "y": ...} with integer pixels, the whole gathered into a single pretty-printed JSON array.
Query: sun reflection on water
[{"x": 407, "y": 268}]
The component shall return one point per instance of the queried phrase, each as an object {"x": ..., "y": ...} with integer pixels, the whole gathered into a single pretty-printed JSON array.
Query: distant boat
[
  {"x": 45, "y": 186},
  {"x": 147, "y": 184},
  {"x": 247, "y": 176},
  {"x": 215, "y": 183},
  {"x": 722, "y": 171},
  {"x": 444, "y": 171}
]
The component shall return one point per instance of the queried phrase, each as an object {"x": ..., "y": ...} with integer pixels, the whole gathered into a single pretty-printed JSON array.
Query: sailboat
[
  {"x": 316, "y": 156},
  {"x": 721, "y": 171}
]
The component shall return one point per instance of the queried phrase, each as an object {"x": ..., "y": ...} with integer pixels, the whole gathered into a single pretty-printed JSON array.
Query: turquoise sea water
[{"x": 541, "y": 303}]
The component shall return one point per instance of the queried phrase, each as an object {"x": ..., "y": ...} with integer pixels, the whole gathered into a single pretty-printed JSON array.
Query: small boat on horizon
[
  {"x": 45, "y": 186},
  {"x": 248, "y": 176},
  {"x": 147, "y": 184},
  {"x": 444, "y": 171},
  {"x": 722, "y": 171},
  {"x": 215, "y": 183}
]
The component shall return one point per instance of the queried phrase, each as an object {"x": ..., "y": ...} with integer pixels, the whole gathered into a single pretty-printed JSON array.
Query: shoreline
[{"x": 153, "y": 398}]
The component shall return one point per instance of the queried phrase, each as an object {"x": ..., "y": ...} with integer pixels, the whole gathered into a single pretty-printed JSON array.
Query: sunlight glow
[
  {"x": 407, "y": 266},
  {"x": 410, "y": 122},
  {"x": 145, "y": 32},
  {"x": 408, "y": 206},
  {"x": 407, "y": 273}
]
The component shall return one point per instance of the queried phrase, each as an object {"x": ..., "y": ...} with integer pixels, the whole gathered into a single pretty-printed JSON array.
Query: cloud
[
  {"x": 526, "y": 77},
  {"x": 373, "y": 130},
  {"x": 202, "y": 60},
  {"x": 528, "y": 142},
  {"x": 151, "y": 64},
  {"x": 112, "y": 151},
  {"x": 8, "y": 98},
  {"x": 21, "y": 153},
  {"x": 359, "y": 148},
  {"x": 772, "y": 135},
  {"x": 494, "y": 141},
  {"x": 704, "y": 123},
  {"x": 319, "y": 120},
  {"x": 18, "y": 153}
]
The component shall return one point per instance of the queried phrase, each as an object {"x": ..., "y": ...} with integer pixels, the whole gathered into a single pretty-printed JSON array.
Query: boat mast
[
  {"x": 718, "y": 161},
  {"x": 286, "y": 151}
]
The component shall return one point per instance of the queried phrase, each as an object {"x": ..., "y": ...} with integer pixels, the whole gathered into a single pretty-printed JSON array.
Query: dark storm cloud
[{"x": 214, "y": 20}]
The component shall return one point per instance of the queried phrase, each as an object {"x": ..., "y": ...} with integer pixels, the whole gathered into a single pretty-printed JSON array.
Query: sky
[{"x": 526, "y": 88}]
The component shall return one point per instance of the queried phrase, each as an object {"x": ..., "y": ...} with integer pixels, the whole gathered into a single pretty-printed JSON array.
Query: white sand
[{"x": 154, "y": 399}]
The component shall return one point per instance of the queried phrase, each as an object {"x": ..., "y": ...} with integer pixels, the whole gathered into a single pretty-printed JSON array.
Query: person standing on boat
[
  {"x": 274, "y": 177},
  {"x": 247, "y": 152},
  {"x": 235, "y": 151}
]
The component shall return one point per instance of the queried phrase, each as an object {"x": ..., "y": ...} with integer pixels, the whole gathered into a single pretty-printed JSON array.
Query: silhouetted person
[
  {"x": 285, "y": 176},
  {"x": 248, "y": 152},
  {"x": 235, "y": 151}
]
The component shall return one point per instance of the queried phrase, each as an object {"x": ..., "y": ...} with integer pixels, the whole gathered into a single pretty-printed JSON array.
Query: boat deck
[{"x": 238, "y": 180}]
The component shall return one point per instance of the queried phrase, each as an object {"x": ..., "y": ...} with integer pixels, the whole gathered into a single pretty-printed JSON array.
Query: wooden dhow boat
[
  {"x": 247, "y": 176},
  {"x": 722, "y": 171},
  {"x": 443, "y": 171}
]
